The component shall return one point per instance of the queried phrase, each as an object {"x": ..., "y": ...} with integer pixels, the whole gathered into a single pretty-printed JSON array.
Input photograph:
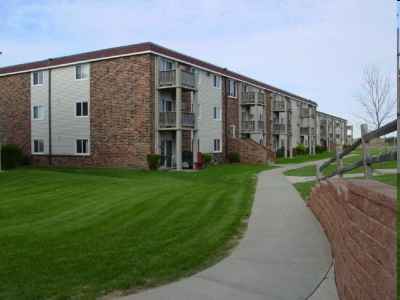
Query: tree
[{"x": 376, "y": 100}]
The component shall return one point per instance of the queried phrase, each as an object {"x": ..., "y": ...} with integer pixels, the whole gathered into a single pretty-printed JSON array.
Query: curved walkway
[{"x": 283, "y": 255}]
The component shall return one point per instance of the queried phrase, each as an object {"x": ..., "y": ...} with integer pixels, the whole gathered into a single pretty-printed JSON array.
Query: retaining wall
[{"x": 359, "y": 218}]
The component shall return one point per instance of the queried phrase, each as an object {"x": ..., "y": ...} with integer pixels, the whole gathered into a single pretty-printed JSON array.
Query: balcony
[
  {"x": 304, "y": 113},
  {"x": 176, "y": 78},
  {"x": 252, "y": 98},
  {"x": 278, "y": 128},
  {"x": 261, "y": 126},
  {"x": 248, "y": 126},
  {"x": 337, "y": 136},
  {"x": 289, "y": 129},
  {"x": 324, "y": 136},
  {"x": 323, "y": 123},
  {"x": 168, "y": 120},
  {"x": 278, "y": 106},
  {"x": 304, "y": 131}
]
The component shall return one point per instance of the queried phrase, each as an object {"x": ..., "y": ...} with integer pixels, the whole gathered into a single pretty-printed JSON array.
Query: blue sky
[{"x": 312, "y": 48}]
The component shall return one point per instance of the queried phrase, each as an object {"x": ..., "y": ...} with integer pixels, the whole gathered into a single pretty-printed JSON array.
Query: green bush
[
  {"x": 320, "y": 149},
  {"x": 301, "y": 149},
  {"x": 13, "y": 156},
  {"x": 234, "y": 157},
  {"x": 155, "y": 161},
  {"x": 279, "y": 154},
  {"x": 207, "y": 157}
]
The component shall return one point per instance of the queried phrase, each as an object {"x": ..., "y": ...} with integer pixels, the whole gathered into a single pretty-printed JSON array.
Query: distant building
[{"x": 112, "y": 107}]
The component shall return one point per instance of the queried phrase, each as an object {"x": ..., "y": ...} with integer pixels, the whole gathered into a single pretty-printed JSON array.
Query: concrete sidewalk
[{"x": 283, "y": 255}]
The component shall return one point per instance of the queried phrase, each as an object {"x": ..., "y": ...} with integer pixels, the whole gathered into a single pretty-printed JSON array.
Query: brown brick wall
[
  {"x": 251, "y": 152},
  {"x": 359, "y": 218},
  {"x": 15, "y": 110},
  {"x": 122, "y": 111}
]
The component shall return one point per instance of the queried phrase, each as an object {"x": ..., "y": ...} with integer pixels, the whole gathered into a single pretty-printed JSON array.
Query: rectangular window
[
  {"x": 197, "y": 74},
  {"x": 82, "y": 147},
  {"x": 37, "y": 78},
  {"x": 166, "y": 65},
  {"x": 38, "y": 112},
  {"x": 81, "y": 109},
  {"x": 217, "y": 145},
  {"x": 232, "y": 88},
  {"x": 245, "y": 88},
  {"x": 217, "y": 113},
  {"x": 38, "y": 146},
  {"x": 82, "y": 72},
  {"x": 198, "y": 111},
  {"x": 217, "y": 81},
  {"x": 166, "y": 105}
]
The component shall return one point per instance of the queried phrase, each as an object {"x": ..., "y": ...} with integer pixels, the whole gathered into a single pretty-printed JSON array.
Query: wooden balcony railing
[
  {"x": 304, "y": 130},
  {"x": 278, "y": 106},
  {"x": 278, "y": 128},
  {"x": 170, "y": 78},
  {"x": 261, "y": 126},
  {"x": 168, "y": 119},
  {"x": 248, "y": 126},
  {"x": 252, "y": 98}
]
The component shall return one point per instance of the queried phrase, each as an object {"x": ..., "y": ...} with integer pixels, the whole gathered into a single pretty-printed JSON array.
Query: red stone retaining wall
[{"x": 359, "y": 218}]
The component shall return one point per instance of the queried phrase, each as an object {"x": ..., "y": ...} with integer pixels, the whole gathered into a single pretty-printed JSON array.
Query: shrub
[
  {"x": 301, "y": 149},
  {"x": 320, "y": 149},
  {"x": 234, "y": 157},
  {"x": 279, "y": 154},
  {"x": 13, "y": 156},
  {"x": 207, "y": 157},
  {"x": 155, "y": 161}
]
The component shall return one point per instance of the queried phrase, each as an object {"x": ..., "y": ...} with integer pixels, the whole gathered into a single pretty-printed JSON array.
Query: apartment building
[
  {"x": 331, "y": 131},
  {"x": 112, "y": 107}
]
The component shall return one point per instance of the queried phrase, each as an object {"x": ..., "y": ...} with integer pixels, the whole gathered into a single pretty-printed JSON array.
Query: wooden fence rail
[{"x": 367, "y": 160}]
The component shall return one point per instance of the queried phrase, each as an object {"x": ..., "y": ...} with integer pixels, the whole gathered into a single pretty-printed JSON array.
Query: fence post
[
  {"x": 318, "y": 172},
  {"x": 366, "y": 152},
  {"x": 339, "y": 161}
]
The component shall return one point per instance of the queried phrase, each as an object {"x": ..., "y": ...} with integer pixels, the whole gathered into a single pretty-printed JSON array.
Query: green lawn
[{"x": 72, "y": 233}]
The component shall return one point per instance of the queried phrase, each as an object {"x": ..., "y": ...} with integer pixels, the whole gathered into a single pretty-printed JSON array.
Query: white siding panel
[
  {"x": 66, "y": 91},
  {"x": 210, "y": 129},
  {"x": 40, "y": 128}
]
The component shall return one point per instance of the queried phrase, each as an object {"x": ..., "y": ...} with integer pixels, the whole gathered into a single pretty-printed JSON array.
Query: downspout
[{"x": 50, "y": 150}]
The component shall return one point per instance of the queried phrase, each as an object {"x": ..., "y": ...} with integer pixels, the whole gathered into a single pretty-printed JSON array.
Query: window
[
  {"x": 217, "y": 81},
  {"x": 232, "y": 88},
  {"x": 81, "y": 109},
  {"x": 166, "y": 105},
  {"x": 217, "y": 113},
  {"x": 245, "y": 88},
  {"x": 165, "y": 65},
  {"x": 197, "y": 75},
  {"x": 82, "y": 72},
  {"x": 198, "y": 111},
  {"x": 217, "y": 145},
  {"x": 38, "y": 112},
  {"x": 37, "y": 78},
  {"x": 38, "y": 146},
  {"x": 82, "y": 147}
]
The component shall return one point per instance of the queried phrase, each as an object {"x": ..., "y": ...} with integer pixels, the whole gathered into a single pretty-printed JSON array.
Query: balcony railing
[
  {"x": 324, "y": 136},
  {"x": 289, "y": 129},
  {"x": 289, "y": 105},
  {"x": 323, "y": 122},
  {"x": 252, "y": 98},
  {"x": 168, "y": 119},
  {"x": 278, "y": 106},
  {"x": 304, "y": 113},
  {"x": 169, "y": 78},
  {"x": 248, "y": 126},
  {"x": 278, "y": 128},
  {"x": 304, "y": 130}
]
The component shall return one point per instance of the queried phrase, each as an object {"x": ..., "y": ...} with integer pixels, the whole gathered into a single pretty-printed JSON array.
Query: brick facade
[
  {"x": 15, "y": 110},
  {"x": 359, "y": 218}
]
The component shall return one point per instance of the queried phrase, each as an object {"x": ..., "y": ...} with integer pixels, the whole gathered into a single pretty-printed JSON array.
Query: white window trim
[
  {"x": 33, "y": 76},
  {"x": 33, "y": 148},
  {"x": 82, "y": 66},
  {"x": 234, "y": 94},
  {"x": 33, "y": 112},
  {"x": 88, "y": 109},
  {"x": 219, "y": 116},
  {"x": 219, "y": 82},
  {"x": 220, "y": 146},
  {"x": 76, "y": 147}
]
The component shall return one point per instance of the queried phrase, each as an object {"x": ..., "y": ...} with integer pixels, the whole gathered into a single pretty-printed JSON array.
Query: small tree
[{"x": 376, "y": 99}]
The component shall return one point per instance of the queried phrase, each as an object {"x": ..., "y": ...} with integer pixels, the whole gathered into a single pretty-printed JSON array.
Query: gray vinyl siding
[
  {"x": 66, "y": 128},
  {"x": 208, "y": 98},
  {"x": 40, "y": 128}
]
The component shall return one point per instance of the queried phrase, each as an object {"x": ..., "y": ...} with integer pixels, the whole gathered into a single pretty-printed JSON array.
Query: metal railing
[{"x": 367, "y": 160}]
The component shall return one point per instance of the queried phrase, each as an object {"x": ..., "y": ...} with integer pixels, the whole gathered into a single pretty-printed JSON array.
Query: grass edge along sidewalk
[{"x": 82, "y": 233}]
